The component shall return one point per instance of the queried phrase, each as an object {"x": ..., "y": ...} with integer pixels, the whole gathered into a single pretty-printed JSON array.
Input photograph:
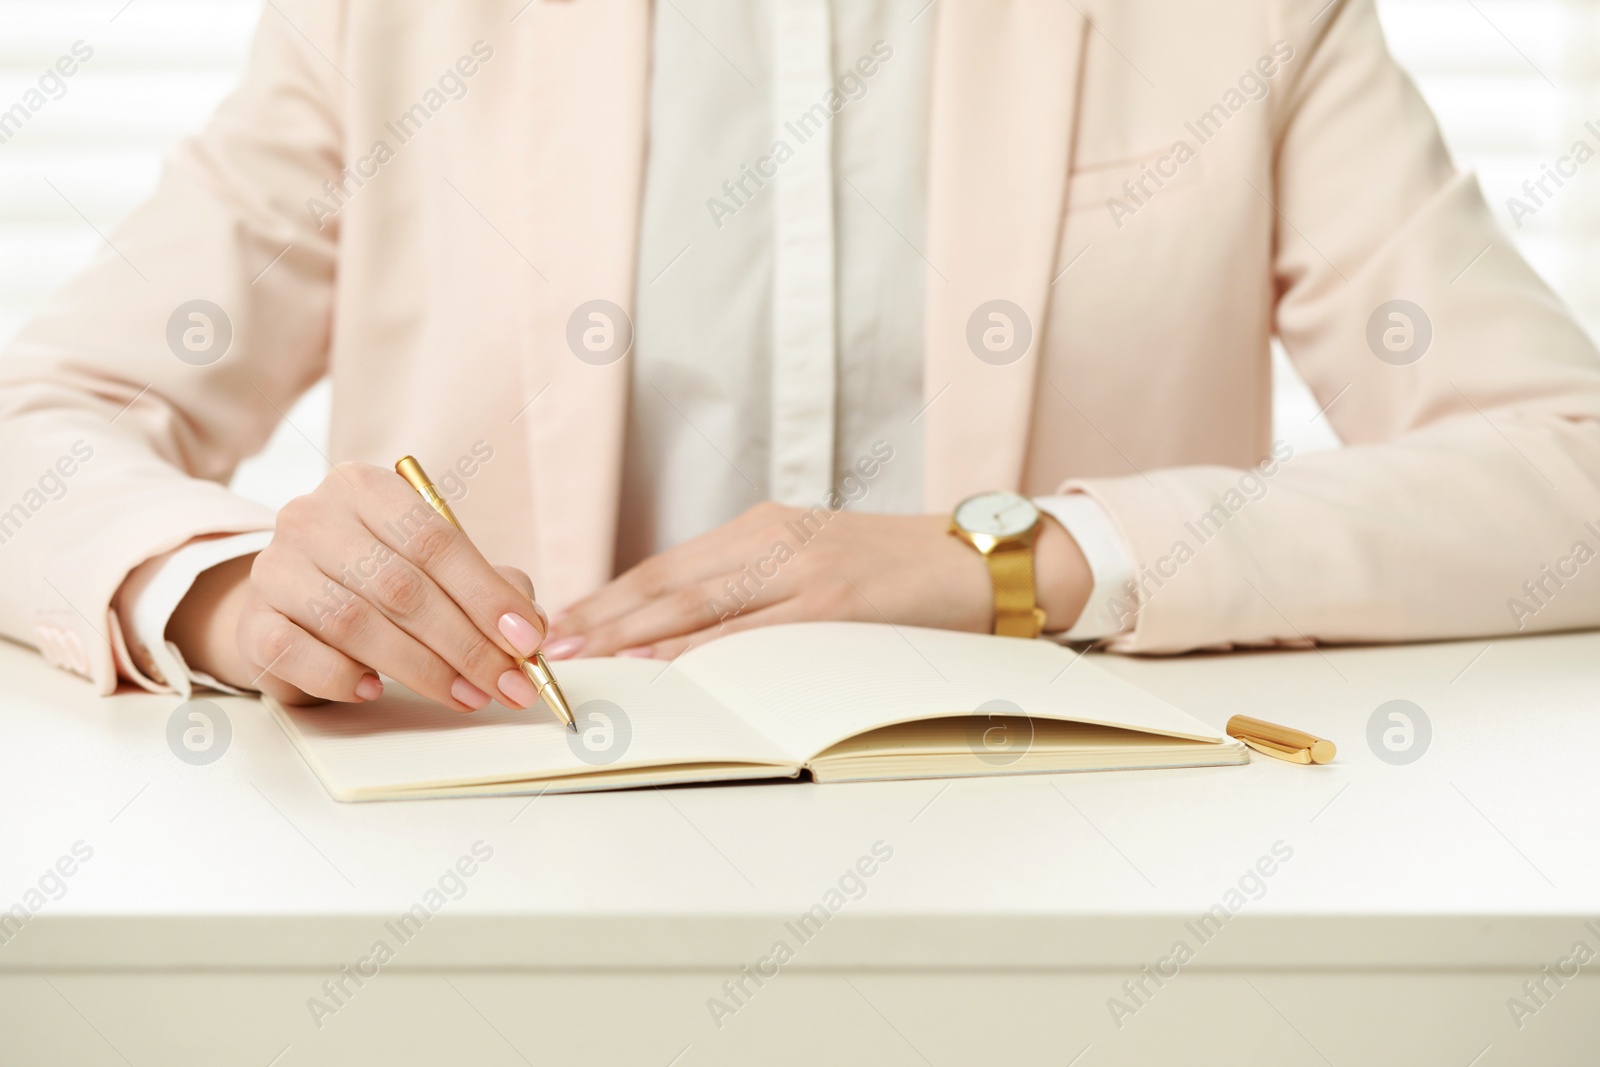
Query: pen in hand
[{"x": 535, "y": 667}]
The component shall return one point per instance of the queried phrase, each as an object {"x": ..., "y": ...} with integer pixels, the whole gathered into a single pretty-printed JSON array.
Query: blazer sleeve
[
  {"x": 119, "y": 432},
  {"x": 1467, "y": 499}
]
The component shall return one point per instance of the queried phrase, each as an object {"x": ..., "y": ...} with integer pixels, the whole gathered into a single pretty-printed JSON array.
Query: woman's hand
[
  {"x": 778, "y": 564},
  {"x": 362, "y": 576}
]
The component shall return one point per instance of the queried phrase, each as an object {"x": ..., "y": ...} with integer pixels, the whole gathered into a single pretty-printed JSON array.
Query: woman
[{"x": 714, "y": 313}]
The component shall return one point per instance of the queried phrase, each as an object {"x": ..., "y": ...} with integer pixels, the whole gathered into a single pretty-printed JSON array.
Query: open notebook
[{"x": 846, "y": 701}]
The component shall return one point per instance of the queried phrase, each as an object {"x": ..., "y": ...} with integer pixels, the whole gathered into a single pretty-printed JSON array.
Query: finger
[
  {"x": 284, "y": 693},
  {"x": 638, "y": 585},
  {"x": 525, "y": 585},
  {"x": 793, "y": 609},
  {"x": 292, "y": 666},
  {"x": 340, "y": 619},
  {"x": 715, "y": 554},
  {"x": 690, "y": 608},
  {"x": 394, "y": 514},
  {"x": 325, "y": 559},
  {"x": 410, "y": 599},
  {"x": 514, "y": 683}
]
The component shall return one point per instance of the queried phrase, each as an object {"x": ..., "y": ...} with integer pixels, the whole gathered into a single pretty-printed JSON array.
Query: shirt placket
[{"x": 803, "y": 371}]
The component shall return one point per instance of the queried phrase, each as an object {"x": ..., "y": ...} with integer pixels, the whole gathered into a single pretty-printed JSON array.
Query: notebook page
[
  {"x": 810, "y": 685},
  {"x": 654, "y": 717}
]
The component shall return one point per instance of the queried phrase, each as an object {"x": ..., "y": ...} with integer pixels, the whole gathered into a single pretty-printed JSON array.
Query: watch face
[{"x": 999, "y": 514}]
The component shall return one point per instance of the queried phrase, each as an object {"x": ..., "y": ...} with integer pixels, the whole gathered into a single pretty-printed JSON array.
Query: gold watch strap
[{"x": 1016, "y": 609}]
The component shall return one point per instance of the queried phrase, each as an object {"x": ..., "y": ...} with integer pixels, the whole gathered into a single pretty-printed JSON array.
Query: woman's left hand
[{"x": 776, "y": 564}]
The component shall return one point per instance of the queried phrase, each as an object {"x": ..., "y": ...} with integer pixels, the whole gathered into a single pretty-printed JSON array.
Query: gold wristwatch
[{"x": 1003, "y": 527}]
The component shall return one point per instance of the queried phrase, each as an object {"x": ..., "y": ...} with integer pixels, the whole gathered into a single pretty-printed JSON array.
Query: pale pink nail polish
[
  {"x": 370, "y": 687},
  {"x": 564, "y": 647},
  {"x": 469, "y": 694},
  {"x": 638, "y": 651},
  {"x": 516, "y": 688},
  {"x": 523, "y": 635}
]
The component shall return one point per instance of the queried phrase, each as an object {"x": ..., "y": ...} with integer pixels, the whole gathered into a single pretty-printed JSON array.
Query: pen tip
[{"x": 572, "y": 726}]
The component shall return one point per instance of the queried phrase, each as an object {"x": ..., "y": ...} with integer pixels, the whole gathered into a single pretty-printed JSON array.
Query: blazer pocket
[{"x": 1132, "y": 181}]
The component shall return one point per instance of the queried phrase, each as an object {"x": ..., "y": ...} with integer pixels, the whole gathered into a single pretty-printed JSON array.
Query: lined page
[
  {"x": 810, "y": 685},
  {"x": 403, "y": 741}
]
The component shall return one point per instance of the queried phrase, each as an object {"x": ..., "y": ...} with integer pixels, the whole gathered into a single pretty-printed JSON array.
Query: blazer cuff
[{"x": 98, "y": 549}]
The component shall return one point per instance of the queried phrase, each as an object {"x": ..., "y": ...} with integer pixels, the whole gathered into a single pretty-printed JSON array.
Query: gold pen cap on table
[
  {"x": 537, "y": 670},
  {"x": 1281, "y": 742}
]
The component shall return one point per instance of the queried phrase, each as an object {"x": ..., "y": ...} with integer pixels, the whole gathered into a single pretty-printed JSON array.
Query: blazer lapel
[
  {"x": 584, "y": 74},
  {"x": 1004, "y": 110}
]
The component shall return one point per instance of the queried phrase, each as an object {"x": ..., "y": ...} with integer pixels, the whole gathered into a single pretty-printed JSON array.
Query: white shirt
[
  {"x": 778, "y": 348},
  {"x": 779, "y": 300}
]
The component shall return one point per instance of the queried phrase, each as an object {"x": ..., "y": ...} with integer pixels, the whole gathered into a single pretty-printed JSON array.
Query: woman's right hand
[{"x": 363, "y": 577}]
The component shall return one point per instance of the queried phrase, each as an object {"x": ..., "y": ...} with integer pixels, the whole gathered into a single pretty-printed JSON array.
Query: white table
[{"x": 1417, "y": 901}]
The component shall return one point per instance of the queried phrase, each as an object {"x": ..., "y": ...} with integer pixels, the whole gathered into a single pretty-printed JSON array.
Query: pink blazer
[{"x": 1311, "y": 190}]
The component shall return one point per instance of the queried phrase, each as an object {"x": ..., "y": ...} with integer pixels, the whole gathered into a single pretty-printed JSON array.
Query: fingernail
[
  {"x": 563, "y": 647},
  {"x": 638, "y": 652},
  {"x": 516, "y": 688},
  {"x": 523, "y": 635},
  {"x": 370, "y": 687},
  {"x": 537, "y": 610},
  {"x": 469, "y": 694}
]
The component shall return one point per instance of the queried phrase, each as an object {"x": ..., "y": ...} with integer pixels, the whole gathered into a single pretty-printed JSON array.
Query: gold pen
[
  {"x": 1281, "y": 742},
  {"x": 537, "y": 670}
]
